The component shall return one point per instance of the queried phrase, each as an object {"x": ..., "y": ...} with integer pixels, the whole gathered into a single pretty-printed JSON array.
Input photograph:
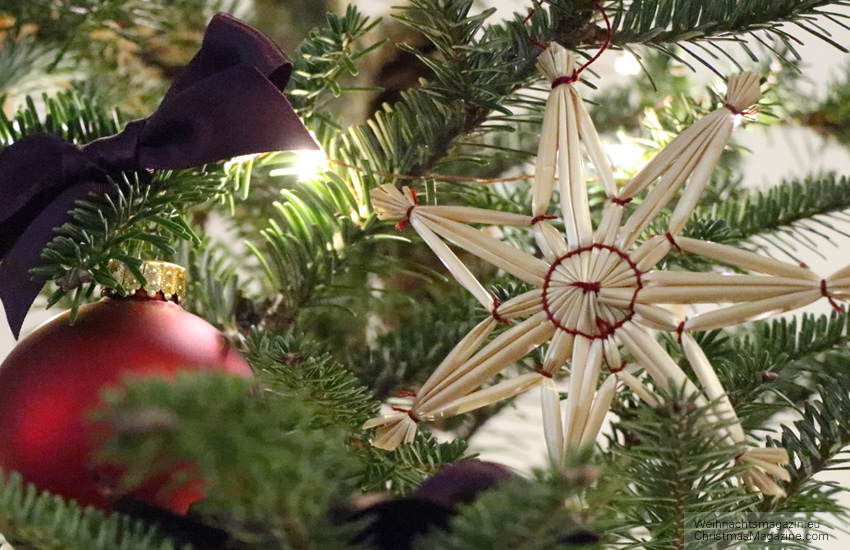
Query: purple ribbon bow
[{"x": 226, "y": 102}]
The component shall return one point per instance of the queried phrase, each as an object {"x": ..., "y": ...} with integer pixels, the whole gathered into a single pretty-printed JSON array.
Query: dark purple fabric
[{"x": 227, "y": 102}]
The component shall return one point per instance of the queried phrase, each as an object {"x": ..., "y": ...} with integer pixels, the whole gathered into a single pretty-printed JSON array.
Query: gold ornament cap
[{"x": 164, "y": 277}]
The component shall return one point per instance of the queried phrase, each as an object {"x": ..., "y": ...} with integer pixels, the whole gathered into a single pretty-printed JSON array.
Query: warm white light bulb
[
  {"x": 305, "y": 165},
  {"x": 627, "y": 156},
  {"x": 309, "y": 164},
  {"x": 627, "y": 64}
]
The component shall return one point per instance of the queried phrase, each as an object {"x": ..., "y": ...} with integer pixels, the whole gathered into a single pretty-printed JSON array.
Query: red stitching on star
[
  {"x": 618, "y": 369},
  {"x": 406, "y": 393},
  {"x": 495, "y": 312},
  {"x": 605, "y": 328},
  {"x": 409, "y": 413},
  {"x": 544, "y": 373},
  {"x": 749, "y": 113},
  {"x": 621, "y": 202},
  {"x": 670, "y": 238},
  {"x": 735, "y": 110},
  {"x": 588, "y": 287},
  {"x": 542, "y": 217},
  {"x": 565, "y": 80},
  {"x": 406, "y": 220},
  {"x": 832, "y": 302}
]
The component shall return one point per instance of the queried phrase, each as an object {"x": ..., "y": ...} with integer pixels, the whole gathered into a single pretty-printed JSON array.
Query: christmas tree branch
[
  {"x": 326, "y": 57},
  {"x": 814, "y": 444},
  {"x": 310, "y": 246},
  {"x": 290, "y": 366},
  {"x": 673, "y": 466},
  {"x": 138, "y": 218},
  {"x": 831, "y": 116},
  {"x": 68, "y": 114},
  {"x": 523, "y": 513},
  {"x": 784, "y": 216},
  {"x": 39, "y": 520},
  {"x": 663, "y": 24},
  {"x": 273, "y": 465}
]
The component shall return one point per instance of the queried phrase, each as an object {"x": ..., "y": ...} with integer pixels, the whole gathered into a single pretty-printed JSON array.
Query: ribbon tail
[
  {"x": 30, "y": 176},
  {"x": 18, "y": 289}
]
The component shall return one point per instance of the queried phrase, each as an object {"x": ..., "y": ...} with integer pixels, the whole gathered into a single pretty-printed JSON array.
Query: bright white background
[{"x": 516, "y": 438}]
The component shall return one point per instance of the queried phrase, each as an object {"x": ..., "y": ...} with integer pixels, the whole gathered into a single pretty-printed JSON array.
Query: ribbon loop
[{"x": 226, "y": 102}]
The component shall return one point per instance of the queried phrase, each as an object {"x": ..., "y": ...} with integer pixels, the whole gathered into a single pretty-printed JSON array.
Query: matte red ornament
[{"x": 54, "y": 377}]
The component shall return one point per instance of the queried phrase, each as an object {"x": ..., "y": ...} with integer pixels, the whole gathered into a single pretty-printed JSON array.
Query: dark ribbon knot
[{"x": 227, "y": 102}]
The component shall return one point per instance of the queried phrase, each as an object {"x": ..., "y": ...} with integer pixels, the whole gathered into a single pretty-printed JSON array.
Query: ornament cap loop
[{"x": 164, "y": 277}]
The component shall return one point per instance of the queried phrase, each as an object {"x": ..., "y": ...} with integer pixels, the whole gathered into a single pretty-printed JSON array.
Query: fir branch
[
  {"x": 661, "y": 24},
  {"x": 412, "y": 136},
  {"x": 831, "y": 116},
  {"x": 25, "y": 65},
  {"x": 403, "y": 358},
  {"x": 139, "y": 216},
  {"x": 214, "y": 291},
  {"x": 785, "y": 216},
  {"x": 522, "y": 514},
  {"x": 291, "y": 366},
  {"x": 70, "y": 115},
  {"x": 33, "y": 519},
  {"x": 671, "y": 464},
  {"x": 797, "y": 339},
  {"x": 317, "y": 238},
  {"x": 324, "y": 59},
  {"x": 273, "y": 464},
  {"x": 814, "y": 443}
]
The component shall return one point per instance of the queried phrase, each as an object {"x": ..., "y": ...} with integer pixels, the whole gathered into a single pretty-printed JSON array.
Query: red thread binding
[
  {"x": 745, "y": 113},
  {"x": 621, "y": 202},
  {"x": 609, "y": 32},
  {"x": 735, "y": 110},
  {"x": 542, "y": 217},
  {"x": 544, "y": 373},
  {"x": 409, "y": 413},
  {"x": 588, "y": 287},
  {"x": 565, "y": 80},
  {"x": 605, "y": 328},
  {"x": 618, "y": 369},
  {"x": 406, "y": 220},
  {"x": 495, "y": 312},
  {"x": 673, "y": 242},
  {"x": 832, "y": 302}
]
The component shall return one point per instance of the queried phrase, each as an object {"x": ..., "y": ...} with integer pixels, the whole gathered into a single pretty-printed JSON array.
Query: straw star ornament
[{"x": 597, "y": 290}]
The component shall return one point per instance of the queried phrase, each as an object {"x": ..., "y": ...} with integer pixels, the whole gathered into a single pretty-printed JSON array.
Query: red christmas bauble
[{"x": 54, "y": 376}]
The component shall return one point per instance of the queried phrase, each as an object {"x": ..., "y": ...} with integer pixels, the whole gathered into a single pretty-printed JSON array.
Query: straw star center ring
[{"x": 572, "y": 285}]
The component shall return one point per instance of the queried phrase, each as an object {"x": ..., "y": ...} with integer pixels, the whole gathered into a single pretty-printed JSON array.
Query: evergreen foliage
[
  {"x": 30, "y": 518},
  {"x": 658, "y": 23},
  {"x": 670, "y": 466},
  {"x": 219, "y": 421},
  {"x": 786, "y": 216},
  {"x": 522, "y": 514},
  {"x": 292, "y": 367}
]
